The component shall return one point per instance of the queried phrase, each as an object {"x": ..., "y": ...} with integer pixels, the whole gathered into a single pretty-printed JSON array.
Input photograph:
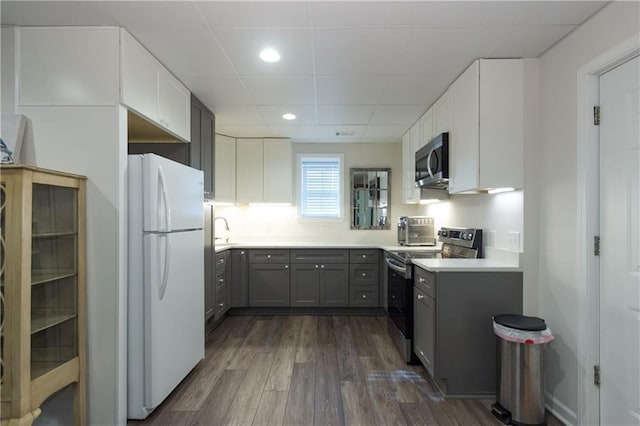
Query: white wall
[
  {"x": 90, "y": 141},
  {"x": 558, "y": 203},
  {"x": 281, "y": 223},
  {"x": 7, "y": 77}
]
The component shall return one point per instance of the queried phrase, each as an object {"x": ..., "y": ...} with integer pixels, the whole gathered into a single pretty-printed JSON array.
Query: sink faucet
[{"x": 226, "y": 227}]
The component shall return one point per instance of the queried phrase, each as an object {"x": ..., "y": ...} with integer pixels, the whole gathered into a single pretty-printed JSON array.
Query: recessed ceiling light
[
  {"x": 269, "y": 55},
  {"x": 289, "y": 116}
]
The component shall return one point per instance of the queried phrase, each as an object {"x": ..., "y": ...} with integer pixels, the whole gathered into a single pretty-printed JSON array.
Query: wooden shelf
[
  {"x": 41, "y": 324},
  {"x": 41, "y": 277}
]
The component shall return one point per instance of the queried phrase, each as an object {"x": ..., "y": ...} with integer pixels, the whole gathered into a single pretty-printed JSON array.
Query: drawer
[
  {"x": 364, "y": 256},
  {"x": 221, "y": 261},
  {"x": 363, "y": 296},
  {"x": 425, "y": 281},
  {"x": 363, "y": 274},
  {"x": 220, "y": 306},
  {"x": 268, "y": 256},
  {"x": 221, "y": 281},
  {"x": 319, "y": 256}
]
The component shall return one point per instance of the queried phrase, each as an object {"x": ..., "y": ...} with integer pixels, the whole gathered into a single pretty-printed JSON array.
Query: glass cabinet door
[{"x": 54, "y": 277}]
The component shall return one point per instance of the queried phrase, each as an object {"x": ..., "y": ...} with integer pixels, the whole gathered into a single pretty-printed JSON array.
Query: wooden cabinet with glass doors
[{"x": 42, "y": 282}]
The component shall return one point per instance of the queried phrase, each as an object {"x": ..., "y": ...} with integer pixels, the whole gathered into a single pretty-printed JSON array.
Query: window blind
[{"x": 320, "y": 184}]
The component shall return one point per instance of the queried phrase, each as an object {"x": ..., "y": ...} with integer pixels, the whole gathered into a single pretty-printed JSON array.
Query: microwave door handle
[{"x": 429, "y": 164}]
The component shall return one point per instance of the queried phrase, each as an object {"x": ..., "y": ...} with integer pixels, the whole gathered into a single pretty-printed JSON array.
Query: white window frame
[{"x": 340, "y": 158}]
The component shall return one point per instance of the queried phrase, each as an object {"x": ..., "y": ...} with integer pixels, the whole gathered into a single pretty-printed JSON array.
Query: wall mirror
[{"x": 370, "y": 197}]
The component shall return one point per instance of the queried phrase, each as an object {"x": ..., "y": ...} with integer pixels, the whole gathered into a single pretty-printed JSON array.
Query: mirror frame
[{"x": 352, "y": 172}]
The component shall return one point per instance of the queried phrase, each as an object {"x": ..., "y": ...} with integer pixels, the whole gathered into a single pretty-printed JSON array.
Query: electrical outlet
[
  {"x": 514, "y": 241},
  {"x": 491, "y": 239}
]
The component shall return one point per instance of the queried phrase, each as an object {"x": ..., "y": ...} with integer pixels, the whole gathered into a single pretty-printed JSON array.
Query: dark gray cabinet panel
[
  {"x": 239, "y": 278},
  {"x": 319, "y": 256},
  {"x": 424, "y": 333},
  {"x": 363, "y": 296},
  {"x": 464, "y": 354},
  {"x": 364, "y": 274},
  {"x": 268, "y": 256},
  {"x": 305, "y": 284},
  {"x": 202, "y": 147},
  {"x": 268, "y": 284},
  {"x": 364, "y": 256},
  {"x": 209, "y": 263},
  {"x": 221, "y": 306},
  {"x": 334, "y": 285}
]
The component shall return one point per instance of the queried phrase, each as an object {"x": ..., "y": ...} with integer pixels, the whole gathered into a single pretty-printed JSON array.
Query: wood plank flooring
[{"x": 310, "y": 370}]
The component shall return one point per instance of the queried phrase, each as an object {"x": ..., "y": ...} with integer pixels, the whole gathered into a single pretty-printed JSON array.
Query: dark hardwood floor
[{"x": 310, "y": 370}]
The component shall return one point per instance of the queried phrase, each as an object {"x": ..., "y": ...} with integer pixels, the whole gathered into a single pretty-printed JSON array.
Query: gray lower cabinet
[
  {"x": 364, "y": 279},
  {"x": 239, "y": 278},
  {"x": 209, "y": 263},
  {"x": 453, "y": 328},
  {"x": 319, "y": 278},
  {"x": 269, "y": 278},
  {"x": 221, "y": 304}
]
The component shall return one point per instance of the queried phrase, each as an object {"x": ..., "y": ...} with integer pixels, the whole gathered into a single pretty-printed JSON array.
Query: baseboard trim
[
  {"x": 306, "y": 311},
  {"x": 560, "y": 411}
]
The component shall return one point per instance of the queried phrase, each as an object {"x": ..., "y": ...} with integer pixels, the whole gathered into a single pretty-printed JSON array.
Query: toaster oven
[{"x": 416, "y": 231}]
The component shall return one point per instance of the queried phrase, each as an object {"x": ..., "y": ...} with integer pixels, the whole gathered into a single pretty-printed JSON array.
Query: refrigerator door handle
[
  {"x": 165, "y": 269},
  {"x": 162, "y": 189}
]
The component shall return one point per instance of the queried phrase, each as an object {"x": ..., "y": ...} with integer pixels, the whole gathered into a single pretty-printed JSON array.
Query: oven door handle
[{"x": 395, "y": 267}]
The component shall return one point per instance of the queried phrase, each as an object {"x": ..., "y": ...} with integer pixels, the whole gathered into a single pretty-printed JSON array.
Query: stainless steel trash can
[{"x": 520, "y": 342}]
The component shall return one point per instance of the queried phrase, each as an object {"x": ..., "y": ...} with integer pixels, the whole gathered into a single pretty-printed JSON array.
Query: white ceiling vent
[{"x": 346, "y": 133}]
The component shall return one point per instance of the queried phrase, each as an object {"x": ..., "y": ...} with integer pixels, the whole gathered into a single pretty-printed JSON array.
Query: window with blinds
[{"x": 320, "y": 187}]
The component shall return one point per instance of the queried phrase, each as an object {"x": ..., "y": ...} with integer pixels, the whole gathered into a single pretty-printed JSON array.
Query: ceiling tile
[
  {"x": 244, "y": 131},
  {"x": 233, "y": 14},
  {"x": 384, "y": 132},
  {"x": 159, "y": 15},
  {"x": 360, "y": 90},
  {"x": 397, "y": 114},
  {"x": 187, "y": 53},
  {"x": 305, "y": 115},
  {"x": 237, "y": 115},
  {"x": 280, "y": 90},
  {"x": 415, "y": 90},
  {"x": 218, "y": 90},
  {"x": 345, "y": 114},
  {"x": 530, "y": 41},
  {"x": 558, "y": 12},
  {"x": 52, "y": 13},
  {"x": 244, "y": 45}
]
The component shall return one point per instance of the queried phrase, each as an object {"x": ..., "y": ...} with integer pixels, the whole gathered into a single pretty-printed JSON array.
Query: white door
[{"x": 620, "y": 245}]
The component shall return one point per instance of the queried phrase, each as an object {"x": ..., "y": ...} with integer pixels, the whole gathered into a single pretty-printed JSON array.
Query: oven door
[{"x": 399, "y": 300}]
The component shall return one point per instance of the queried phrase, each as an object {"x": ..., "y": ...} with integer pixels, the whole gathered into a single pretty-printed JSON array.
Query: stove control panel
[{"x": 463, "y": 237}]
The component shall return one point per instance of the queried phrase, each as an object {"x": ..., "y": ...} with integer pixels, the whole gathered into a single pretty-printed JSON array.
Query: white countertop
[
  {"x": 322, "y": 245},
  {"x": 465, "y": 265}
]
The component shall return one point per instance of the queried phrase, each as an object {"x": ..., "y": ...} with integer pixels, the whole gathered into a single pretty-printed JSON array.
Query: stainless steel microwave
[
  {"x": 432, "y": 163},
  {"x": 416, "y": 231}
]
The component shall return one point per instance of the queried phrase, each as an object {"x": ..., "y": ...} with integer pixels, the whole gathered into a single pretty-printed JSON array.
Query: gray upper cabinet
[{"x": 202, "y": 148}]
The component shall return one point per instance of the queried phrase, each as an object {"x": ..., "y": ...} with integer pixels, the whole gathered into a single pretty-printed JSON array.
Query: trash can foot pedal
[{"x": 501, "y": 413}]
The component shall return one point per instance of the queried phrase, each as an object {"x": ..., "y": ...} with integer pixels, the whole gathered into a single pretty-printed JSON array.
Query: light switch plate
[{"x": 514, "y": 241}]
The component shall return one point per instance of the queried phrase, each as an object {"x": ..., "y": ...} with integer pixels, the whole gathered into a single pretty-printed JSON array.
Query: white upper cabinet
[
  {"x": 225, "y": 169},
  {"x": 277, "y": 170},
  {"x": 442, "y": 114},
  {"x": 264, "y": 170},
  {"x": 407, "y": 170},
  {"x": 151, "y": 90},
  {"x": 427, "y": 128},
  {"x": 67, "y": 66},
  {"x": 487, "y": 134}
]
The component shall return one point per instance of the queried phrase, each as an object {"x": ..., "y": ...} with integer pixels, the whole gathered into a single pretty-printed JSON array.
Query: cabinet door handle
[
  {"x": 286, "y": 266},
  {"x": 420, "y": 297},
  {"x": 268, "y": 256},
  {"x": 364, "y": 296},
  {"x": 316, "y": 266},
  {"x": 421, "y": 280},
  {"x": 242, "y": 252},
  {"x": 364, "y": 256},
  {"x": 321, "y": 266},
  {"x": 364, "y": 274}
]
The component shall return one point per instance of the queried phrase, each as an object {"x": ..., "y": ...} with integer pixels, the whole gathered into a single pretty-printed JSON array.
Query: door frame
[{"x": 588, "y": 223}]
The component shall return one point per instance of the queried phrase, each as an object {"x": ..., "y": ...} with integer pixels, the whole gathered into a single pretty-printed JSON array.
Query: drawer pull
[
  {"x": 221, "y": 280},
  {"x": 420, "y": 297},
  {"x": 268, "y": 256},
  {"x": 421, "y": 280},
  {"x": 364, "y": 256},
  {"x": 321, "y": 266},
  {"x": 364, "y": 296},
  {"x": 221, "y": 305},
  {"x": 286, "y": 266},
  {"x": 221, "y": 261},
  {"x": 316, "y": 266},
  {"x": 242, "y": 252}
]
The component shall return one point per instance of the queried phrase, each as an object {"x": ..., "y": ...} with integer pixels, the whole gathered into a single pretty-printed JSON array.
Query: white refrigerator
[{"x": 165, "y": 338}]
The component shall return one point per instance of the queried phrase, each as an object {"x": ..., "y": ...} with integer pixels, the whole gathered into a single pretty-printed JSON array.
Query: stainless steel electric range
[{"x": 456, "y": 243}]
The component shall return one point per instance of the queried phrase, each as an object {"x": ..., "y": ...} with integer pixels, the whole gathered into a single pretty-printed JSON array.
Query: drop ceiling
[{"x": 350, "y": 71}]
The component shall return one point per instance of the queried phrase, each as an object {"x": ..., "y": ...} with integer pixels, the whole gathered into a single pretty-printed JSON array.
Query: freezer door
[
  {"x": 173, "y": 195},
  {"x": 174, "y": 314}
]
